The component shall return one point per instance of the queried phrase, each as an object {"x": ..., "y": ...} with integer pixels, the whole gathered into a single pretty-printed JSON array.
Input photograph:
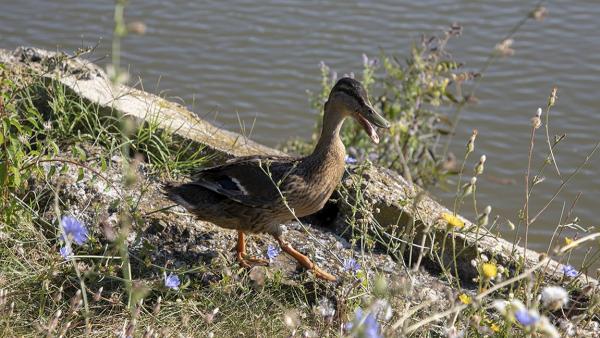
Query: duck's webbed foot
[
  {"x": 303, "y": 260},
  {"x": 243, "y": 260}
]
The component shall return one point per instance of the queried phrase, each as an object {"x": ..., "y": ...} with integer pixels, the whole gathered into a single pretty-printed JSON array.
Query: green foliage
[
  {"x": 167, "y": 152},
  {"x": 38, "y": 117},
  {"x": 69, "y": 119},
  {"x": 415, "y": 95},
  {"x": 22, "y": 142},
  {"x": 48, "y": 135}
]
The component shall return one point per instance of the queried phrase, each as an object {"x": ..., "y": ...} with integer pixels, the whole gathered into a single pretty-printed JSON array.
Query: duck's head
[{"x": 350, "y": 97}]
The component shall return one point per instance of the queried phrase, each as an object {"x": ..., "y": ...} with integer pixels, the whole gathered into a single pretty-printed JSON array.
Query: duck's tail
[{"x": 180, "y": 194}]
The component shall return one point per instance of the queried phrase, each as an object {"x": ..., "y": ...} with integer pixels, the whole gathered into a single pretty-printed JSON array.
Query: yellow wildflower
[
  {"x": 489, "y": 270},
  {"x": 453, "y": 221},
  {"x": 568, "y": 240},
  {"x": 495, "y": 327},
  {"x": 464, "y": 298}
]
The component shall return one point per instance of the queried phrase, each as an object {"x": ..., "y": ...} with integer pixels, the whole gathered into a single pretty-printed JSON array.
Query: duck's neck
[{"x": 330, "y": 145}]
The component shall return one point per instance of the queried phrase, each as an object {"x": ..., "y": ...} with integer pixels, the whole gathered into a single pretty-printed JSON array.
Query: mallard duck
[{"x": 257, "y": 194}]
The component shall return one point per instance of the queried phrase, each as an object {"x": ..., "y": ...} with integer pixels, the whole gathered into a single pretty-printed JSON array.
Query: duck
[{"x": 258, "y": 194}]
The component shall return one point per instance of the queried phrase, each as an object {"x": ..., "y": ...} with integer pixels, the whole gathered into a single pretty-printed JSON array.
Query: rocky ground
[{"x": 167, "y": 236}]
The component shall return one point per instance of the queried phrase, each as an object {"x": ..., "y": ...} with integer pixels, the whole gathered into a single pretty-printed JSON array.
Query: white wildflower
[
  {"x": 508, "y": 308},
  {"x": 517, "y": 305},
  {"x": 500, "y": 305},
  {"x": 554, "y": 297},
  {"x": 382, "y": 309},
  {"x": 23, "y": 139},
  {"x": 567, "y": 327},
  {"x": 325, "y": 308},
  {"x": 547, "y": 329},
  {"x": 453, "y": 332}
]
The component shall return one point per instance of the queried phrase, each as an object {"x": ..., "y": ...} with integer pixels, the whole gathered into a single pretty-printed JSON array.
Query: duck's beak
[{"x": 370, "y": 120}]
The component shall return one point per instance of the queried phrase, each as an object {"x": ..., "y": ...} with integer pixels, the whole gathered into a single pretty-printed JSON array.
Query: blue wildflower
[
  {"x": 527, "y": 318},
  {"x": 350, "y": 160},
  {"x": 66, "y": 252},
  {"x": 350, "y": 264},
  {"x": 172, "y": 281},
  {"x": 569, "y": 271},
  {"x": 74, "y": 229},
  {"x": 364, "y": 325},
  {"x": 272, "y": 251}
]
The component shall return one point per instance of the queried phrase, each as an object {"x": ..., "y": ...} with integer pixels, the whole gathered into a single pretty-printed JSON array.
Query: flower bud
[
  {"x": 471, "y": 143},
  {"x": 539, "y": 13},
  {"x": 479, "y": 167},
  {"x": 469, "y": 187},
  {"x": 536, "y": 121},
  {"x": 553, "y": 97},
  {"x": 98, "y": 294},
  {"x": 511, "y": 225},
  {"x": 483, "y": 220},
  {"x": 504, "y": 48}
]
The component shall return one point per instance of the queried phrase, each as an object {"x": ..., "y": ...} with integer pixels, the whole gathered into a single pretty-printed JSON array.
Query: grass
[
  {"x": 83, "y": 144},
  {"x": 63, "y": 156}
]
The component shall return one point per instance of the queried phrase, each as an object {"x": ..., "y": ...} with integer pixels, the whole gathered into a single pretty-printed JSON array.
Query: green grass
[{"x": 57, "y": 149}]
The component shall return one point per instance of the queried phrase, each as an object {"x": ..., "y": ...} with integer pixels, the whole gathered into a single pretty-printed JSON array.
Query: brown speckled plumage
[{"x": 245, "y": 194}]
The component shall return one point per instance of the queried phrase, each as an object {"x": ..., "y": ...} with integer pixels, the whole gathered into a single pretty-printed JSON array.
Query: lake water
[{"x": 256, "y": 60}]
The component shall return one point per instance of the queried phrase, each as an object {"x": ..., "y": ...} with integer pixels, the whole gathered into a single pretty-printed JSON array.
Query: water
[{"x": 253, "y": 62}]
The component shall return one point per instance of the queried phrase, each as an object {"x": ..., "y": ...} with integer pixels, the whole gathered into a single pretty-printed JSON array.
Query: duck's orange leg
[
  {"x": 304, "y": 261},
  {"x": 246, "y": 262}
]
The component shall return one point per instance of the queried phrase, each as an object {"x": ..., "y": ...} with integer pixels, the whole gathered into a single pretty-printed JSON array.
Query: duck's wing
[{"x": 251, "y": 180}]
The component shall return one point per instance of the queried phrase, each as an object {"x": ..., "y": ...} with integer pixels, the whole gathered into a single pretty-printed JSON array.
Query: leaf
[
  {"x": 52, "y": 171},
  {"x": 17, "y": 125},
  {"x": 451, "y": 97},
  {"x": 443, "y": 131},
  {"x": 54, "y": 147},
  {"x": 444, "y": 119},
  {"x": 3, "y": 172},
  {"x": 80, "y": 175},
  {"x": 16, "y": 176},
  {"x": 103, "y": 165}
]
